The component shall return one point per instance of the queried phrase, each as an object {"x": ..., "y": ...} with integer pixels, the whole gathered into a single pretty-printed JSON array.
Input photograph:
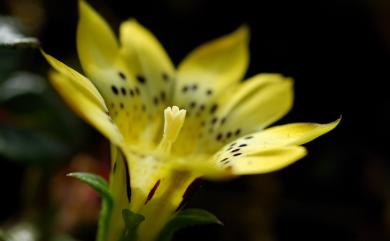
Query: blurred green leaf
[
  {"x": 27, "y": 101},
  {"x": 132, "y": 222},
  {"x": 30, "y": 147},
  {"x": 21, "y": 83},
  {"x": 10, "y": 60},
  {"x": 4, "y": 236},
  {"x": 187, "y": 218},
  {"x": 100, "y": 185},
  {"x": 12, "y": 36}
]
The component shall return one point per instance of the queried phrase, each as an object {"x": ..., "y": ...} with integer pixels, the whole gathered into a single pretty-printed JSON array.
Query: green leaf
[
  {"x": 100, "y": 185},
  {"x": 187, "y": 218},
  {"x": 12, "y": 36},
  {"x": 95, "y": 181},
  {"x": 132, "y": 222},
  {"x": 21, "y": 83}
]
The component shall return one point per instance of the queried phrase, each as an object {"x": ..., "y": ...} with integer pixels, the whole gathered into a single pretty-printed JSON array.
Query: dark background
[{"x": 338, "y": 53}]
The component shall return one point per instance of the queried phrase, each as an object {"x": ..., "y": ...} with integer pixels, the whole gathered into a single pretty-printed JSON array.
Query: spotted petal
[
  {"x": 210, "y": 68},
  {"x": 255, "y": 104},
  {"x": 264, "y": 151},
  {"x": 247, "y": 108},
  {"x": 263, "y": 161},
  {"x": 83, "y": 98},
  {"x": 290, "y": 134},
  {"x": 147, "y": 60}
]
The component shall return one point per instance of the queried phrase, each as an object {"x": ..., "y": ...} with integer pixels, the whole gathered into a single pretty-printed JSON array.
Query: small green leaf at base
[
  {"x": 132, "y": 222},
  {"x": 95, "y": 181},
  {"x": 100, "y": 185},
  {"x": 187, "y": 218}
]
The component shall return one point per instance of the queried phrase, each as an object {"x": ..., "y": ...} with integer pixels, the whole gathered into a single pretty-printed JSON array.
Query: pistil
[{"x": 173, "y": 122}]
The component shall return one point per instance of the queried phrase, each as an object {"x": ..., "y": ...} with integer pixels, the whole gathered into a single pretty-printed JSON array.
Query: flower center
[{"x": 173, "y": 122}]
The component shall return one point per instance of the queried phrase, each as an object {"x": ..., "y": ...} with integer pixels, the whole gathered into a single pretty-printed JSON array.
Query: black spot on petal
[
  {"x": 141, "y": 79},
  {"x": 213, "y": 108},
  {"x": 137, "y": 91},
  {"x": 122, "y": 75},
  {"x": 228, "y": 135},
  {"x": 219, "y": 137},
  {"x": 209, "y": 92},
  {"x": 192, "y": 104},
  {"x": 155, "y": 101},
  {"x": 201, "y": 107},
  {"x": 131, "y": 92},
  {"x": 194, "y": 87},
  {"x": 121, "y": 105},
  {"x": 238, "y": 131},
  {"x": 165, "y": 77},
  {"x": 224, "y": 160},
  {"x": 123, "y": 90},
  {"x": 237, "y": 154},
  {"x": 235, "y": 150},
  {"x": 214, "y": 120},
  {"x": 114, "y": 89},
  {"x": 184, "y": 89},
  {"x": 242, "y": 145},
  {"x": 162, "y": 95},
  {"x": 248, "y": 137}
]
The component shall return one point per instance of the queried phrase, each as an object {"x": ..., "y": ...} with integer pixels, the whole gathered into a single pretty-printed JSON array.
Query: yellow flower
[{"x": 169, "y": 126}]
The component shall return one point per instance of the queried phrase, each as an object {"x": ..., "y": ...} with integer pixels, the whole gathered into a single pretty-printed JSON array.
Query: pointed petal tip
[
  {"x": 244, "y": 30},
  {"x": 84, "y": 6},
  {"x": 333, "y": 124}
]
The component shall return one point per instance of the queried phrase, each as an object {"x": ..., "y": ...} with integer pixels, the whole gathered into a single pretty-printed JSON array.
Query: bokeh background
[{"x": 338, "y": 52}]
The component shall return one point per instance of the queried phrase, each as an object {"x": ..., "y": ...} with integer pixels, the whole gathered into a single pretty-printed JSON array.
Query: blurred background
[{"x": 337, "y": 51}]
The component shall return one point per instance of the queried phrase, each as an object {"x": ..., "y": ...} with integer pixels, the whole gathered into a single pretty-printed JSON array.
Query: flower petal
[
  {"x": 290, "y": 134},
  {"x": 146, "y": 58},
  {"x": 228, "y": 164},
  {"x": 253, "y": 153},
  {"x": 79, "y": 81},
  {"x": 264, "y": 161},
  {"x": 149, "y": 68},
  {"x": 257, "y": 103},
  {"x": 96, "y": 43},
  {"x": 134, "y": 80},
  {"x": 212, "y": 67},
  {"x": 248, "y": 108},
  {"x": 83, "y": 98}
]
